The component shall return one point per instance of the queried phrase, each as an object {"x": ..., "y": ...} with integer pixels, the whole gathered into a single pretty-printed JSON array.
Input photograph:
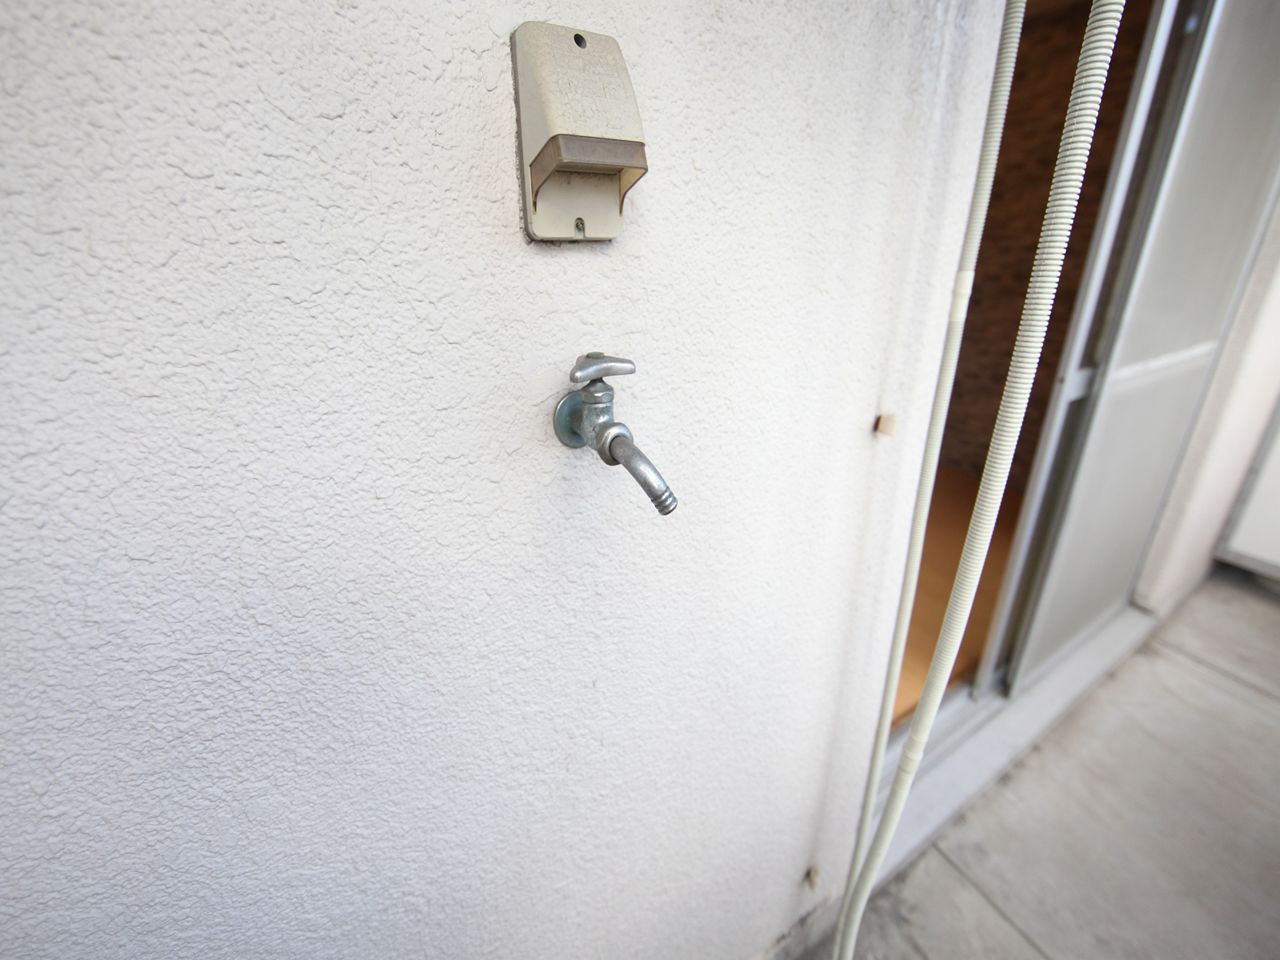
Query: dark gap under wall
[{"x": 1037, "y": 106}]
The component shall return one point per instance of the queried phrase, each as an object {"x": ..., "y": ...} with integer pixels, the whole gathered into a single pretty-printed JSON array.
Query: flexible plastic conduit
[
  {"x": 1001, "y": 81},
  {"x": 1064, "y": 195}
]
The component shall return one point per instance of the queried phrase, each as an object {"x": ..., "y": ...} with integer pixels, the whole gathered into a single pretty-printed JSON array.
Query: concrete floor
[{"x": 1147, "y": 824}]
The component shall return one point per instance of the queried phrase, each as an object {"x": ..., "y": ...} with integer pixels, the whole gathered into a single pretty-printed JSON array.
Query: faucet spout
[{"x": 623, "y": 450}]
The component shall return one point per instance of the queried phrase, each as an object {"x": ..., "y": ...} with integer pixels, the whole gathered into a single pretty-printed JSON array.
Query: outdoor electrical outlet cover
[{"x": 581, "y": 143}]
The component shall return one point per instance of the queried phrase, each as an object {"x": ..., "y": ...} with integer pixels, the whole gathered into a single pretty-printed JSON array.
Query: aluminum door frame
[
  {"x": 1074, "y": 381},
  {"x": 1153, "y": 347}
]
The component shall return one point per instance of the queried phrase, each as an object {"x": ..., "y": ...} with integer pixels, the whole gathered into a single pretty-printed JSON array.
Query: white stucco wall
[{"x": 316, "y": 642}]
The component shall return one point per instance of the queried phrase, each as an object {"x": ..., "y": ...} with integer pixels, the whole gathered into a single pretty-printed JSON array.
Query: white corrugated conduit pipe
[
  {"x": 997, "y": 106},
  {"x": 1064, "y": 195}
]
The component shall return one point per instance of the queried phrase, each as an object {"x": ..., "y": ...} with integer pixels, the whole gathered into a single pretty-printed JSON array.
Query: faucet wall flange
[{"x": 567, "y": 416}]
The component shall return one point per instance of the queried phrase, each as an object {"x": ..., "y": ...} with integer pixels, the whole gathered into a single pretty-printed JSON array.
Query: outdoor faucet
[{"x": 585, "y": 418}]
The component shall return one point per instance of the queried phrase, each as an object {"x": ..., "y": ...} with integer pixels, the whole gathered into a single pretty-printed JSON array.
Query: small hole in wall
[
  {"x": 579, "y": 228},
  {"x": 580, "y": 40}
]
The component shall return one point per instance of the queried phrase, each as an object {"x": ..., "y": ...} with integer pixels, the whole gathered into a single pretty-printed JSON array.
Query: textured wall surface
[{"x": 316, "y": 642}]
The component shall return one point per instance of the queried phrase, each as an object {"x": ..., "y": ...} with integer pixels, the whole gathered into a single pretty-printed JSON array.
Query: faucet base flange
[{"x": 564, "y": 417}]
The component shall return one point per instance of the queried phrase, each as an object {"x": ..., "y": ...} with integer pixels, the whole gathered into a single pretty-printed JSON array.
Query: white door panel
[{"x": 1215, "y": 197}]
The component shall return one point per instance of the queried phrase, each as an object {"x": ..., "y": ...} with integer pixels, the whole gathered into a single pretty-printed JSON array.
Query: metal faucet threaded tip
[
  {"x": 666, "y": 502},
  {"x": 623, "y": 450}
]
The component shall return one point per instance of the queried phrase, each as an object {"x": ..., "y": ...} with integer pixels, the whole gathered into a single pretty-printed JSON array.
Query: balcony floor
[{"x": 1147, "y": 824}]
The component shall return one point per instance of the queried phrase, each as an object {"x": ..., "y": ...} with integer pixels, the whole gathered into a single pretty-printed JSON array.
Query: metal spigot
[{"x": 585, "y": 418}]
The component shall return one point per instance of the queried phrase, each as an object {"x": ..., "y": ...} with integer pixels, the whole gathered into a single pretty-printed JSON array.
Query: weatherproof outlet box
[{"x": 581, "y": 144}]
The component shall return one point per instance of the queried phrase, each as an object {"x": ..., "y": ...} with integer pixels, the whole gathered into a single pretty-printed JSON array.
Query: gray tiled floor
[{"x": 1146, "y": 825}]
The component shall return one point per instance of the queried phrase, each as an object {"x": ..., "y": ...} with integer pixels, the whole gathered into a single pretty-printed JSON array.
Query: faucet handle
[{"x": 594, "y": 366}]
